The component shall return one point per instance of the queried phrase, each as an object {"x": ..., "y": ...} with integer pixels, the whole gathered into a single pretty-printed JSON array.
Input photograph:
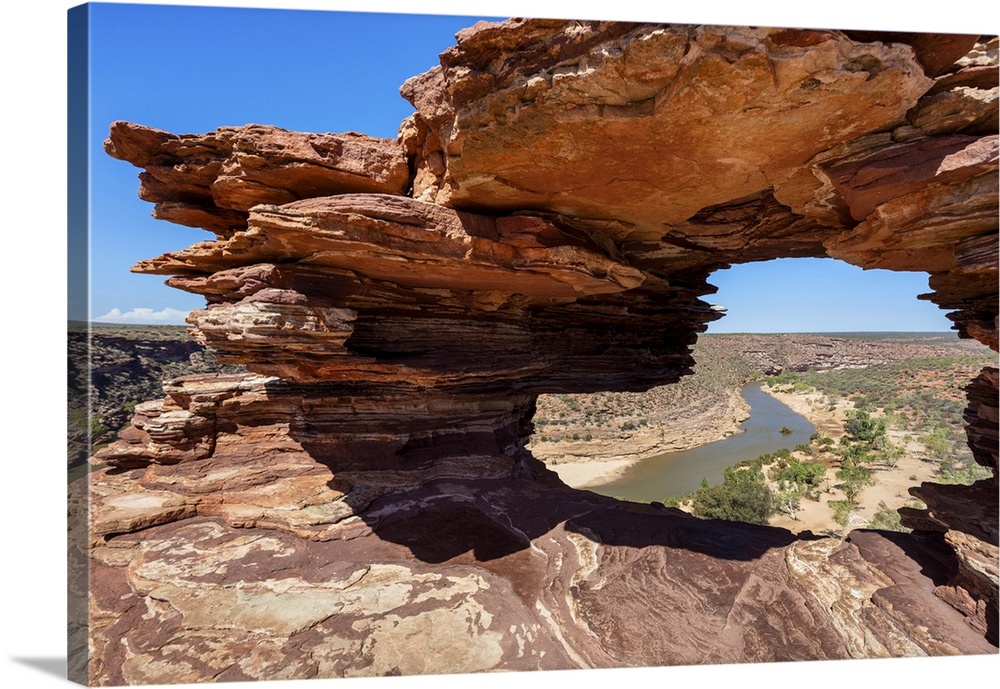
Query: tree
[
  {"x": 841, "y": 511},
  {"x": 891, "y": 454},
  {"x": 806, "y": 476},
  {"x": 788, "y": 500},
  {"x": 743, "y": 496},
  {"x": 862, "y": 427},
  {"x": 856, "y": 453},
  {"x": 937, "y": 442},
  {"x": 854, "y": 479}
]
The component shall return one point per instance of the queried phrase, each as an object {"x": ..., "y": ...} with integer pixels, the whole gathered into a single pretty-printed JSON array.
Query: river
[{"x": 677, "y": 473}]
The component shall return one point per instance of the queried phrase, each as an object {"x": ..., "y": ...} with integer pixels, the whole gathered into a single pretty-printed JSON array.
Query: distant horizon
[
  {"x": 348, "y": 84},
  {"x": 742, "y": 332},
  {"x": 822, "y": 295}
]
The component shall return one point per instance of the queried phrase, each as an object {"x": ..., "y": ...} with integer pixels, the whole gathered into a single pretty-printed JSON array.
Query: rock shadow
[{"x": 440, "y": 509}]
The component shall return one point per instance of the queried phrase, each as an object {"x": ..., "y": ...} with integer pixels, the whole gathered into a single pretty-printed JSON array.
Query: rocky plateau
[{"x": 361, "y": 501}]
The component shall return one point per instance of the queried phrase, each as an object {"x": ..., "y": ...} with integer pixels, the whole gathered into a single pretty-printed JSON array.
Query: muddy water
[{"x": 677, "y": 473}]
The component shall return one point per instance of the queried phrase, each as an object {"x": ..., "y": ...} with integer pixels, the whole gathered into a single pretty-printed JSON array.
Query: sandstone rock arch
[{"x": 546, "y": 222}]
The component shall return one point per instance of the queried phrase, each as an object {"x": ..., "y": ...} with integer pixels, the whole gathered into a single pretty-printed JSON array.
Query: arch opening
[{"x": 835, "y": 385}]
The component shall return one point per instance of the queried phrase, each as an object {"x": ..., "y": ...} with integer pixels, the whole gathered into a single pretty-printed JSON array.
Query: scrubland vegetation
[
  {"x": 923, "y": 398},
  {"x": 910, "y": 409},
  {"x": 719, "y": 373},
  {"x": 114, "y": 367}
]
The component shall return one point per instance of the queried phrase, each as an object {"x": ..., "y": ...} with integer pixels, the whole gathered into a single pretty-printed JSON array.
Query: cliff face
[
  {"x": 114, "y": 369},
  {"x": 546, "y": 222}
]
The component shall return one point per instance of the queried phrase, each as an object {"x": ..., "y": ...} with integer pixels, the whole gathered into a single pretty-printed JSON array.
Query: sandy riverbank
[
  {"x": 892, "y": 483},
  {"x": 581, "y": 463},
  {"x": 826, "y": 414}
]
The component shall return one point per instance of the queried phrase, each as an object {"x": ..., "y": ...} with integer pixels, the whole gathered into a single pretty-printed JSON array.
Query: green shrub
[
  {"x": 886, "y": 519},
  {"x": 862, "y": 427},
  {"x": 805, "y": 474},
  {"x": 673, "y": 501},
  {"x": 743, "y": 496},
  {"x": 841, "y": 511},
  {"x": 962, "y": 473},
  {"x": 853, "y": 479}
]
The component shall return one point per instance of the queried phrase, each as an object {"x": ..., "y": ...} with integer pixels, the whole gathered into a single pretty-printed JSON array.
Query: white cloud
[{"x": 144, "y": 316}]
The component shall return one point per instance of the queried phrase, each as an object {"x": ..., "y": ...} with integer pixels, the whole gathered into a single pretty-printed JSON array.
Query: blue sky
[
  {"x": 821, "y": 295},
  {"x": 193, "y": 69}
]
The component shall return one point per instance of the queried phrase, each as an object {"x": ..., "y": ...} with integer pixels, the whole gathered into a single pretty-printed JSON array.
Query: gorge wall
[{"x": 362, "y": 503}]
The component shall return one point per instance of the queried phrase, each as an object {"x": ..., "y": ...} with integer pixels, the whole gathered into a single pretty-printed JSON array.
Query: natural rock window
[
  {"x": 812, "y": 468},
  {"x": 546, "y": 223}
]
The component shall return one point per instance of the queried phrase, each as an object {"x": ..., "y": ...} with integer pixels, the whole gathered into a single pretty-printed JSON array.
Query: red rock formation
[
  {"x": 211, "y": 180},
  {"x": 573, "y": 186}
]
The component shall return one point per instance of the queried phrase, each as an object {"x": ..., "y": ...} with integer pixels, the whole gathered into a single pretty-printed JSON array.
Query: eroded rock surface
[
  {"x": 362, "y": 502},
  {"x": 212, "y": 180}
]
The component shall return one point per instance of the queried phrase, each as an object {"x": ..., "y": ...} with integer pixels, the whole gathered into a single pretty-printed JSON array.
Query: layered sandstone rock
[
  {"x": 647, "y": 125},
  {"x": 212, "y": 180},
  {"x": 362, "y": 502}
]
